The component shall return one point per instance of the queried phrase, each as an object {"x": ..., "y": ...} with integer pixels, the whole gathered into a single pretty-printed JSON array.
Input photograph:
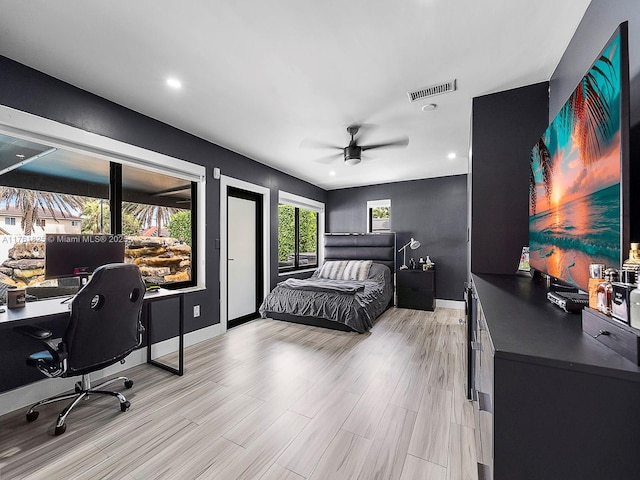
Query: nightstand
[{"x": 416, "y": 289}]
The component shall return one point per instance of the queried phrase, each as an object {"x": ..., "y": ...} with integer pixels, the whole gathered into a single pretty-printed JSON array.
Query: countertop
[{"x": 524, "y": 326}]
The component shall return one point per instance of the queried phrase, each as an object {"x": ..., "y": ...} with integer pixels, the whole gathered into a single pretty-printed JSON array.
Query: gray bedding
[{"x": 354, "y": 303}]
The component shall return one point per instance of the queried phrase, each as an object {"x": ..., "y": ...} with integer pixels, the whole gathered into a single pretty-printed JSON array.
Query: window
[
  {"x": 300, "y": 222},
  {"x": 149, "y": 205},
  {"x": 379, "y": 216},
  {"x": 157, "y": 219}
]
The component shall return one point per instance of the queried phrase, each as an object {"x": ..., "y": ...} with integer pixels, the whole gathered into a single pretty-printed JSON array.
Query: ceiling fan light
[{"x": 352, "y": 155}]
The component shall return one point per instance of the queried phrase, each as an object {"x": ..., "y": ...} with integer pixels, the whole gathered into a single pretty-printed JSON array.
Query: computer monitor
[{"x": 79, "y": 255}]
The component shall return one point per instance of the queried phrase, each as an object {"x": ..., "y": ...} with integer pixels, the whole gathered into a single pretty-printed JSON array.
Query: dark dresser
[{"x": 550, "y": 401}]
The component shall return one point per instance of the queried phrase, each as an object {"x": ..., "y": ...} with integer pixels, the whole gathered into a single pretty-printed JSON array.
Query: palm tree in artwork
[
  {"x": 588, "y": 112},
  {"x": 540, "y": 152},
  {"x": 33, "y": 202}
]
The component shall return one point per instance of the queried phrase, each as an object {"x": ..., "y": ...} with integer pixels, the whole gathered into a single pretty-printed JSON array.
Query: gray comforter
[{"x": 354, "y": 303}]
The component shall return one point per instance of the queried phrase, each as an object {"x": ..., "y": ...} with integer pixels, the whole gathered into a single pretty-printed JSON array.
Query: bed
[{"x": 348, "y": 292}]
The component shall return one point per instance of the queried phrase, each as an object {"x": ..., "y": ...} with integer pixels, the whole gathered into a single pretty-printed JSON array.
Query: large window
[
  {"x": 299, "y": 227},
  {"x": 59, "y": 191}
]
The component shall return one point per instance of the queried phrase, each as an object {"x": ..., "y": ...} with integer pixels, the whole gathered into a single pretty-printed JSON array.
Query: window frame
[
  {"x": 371, "y": 204},
  {"x": 297, "y": 201},
  {"x": 30, "y": 127}
]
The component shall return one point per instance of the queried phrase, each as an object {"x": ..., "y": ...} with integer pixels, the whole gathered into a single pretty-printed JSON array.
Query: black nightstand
[{"x": 416, "y": 289}]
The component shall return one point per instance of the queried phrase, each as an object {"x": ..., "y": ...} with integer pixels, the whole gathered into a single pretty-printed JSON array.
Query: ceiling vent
[{"x": 432, "y": 91}]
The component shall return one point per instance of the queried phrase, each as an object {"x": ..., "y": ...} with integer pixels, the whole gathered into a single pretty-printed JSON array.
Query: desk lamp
[{"x": 413, "y": 244}]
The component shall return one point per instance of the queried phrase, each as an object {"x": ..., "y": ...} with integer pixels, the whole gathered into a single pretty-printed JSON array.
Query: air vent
[{"x": 432, "y": 91}]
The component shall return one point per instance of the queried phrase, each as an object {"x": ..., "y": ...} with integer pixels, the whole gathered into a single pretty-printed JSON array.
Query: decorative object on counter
[
  {"x": 428, "y": 264},
  {"x": 605, "y": 290},
  {"x": 412, "y": 264},
  {"x": 632, "y": 263},
  {"x": 620, "y": 300},
  {"x": 412, "y": 244},
  {"x": 596, "y": 276},
  {"x": 16, "y": 297},
  {"x": 523, "y": 267},
  {"x": 621, "y": 297}
]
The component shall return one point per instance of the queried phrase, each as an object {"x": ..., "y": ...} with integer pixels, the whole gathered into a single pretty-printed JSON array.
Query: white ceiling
[{"x": 263, "y": 77}]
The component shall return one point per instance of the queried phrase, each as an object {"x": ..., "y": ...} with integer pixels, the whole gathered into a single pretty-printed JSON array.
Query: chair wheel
[
  {"x": 128, "y": 383},
  {"x": 60, "y": 429},
  {"x": 124, "y": 406},
  {"x": 31, "y": 416}
]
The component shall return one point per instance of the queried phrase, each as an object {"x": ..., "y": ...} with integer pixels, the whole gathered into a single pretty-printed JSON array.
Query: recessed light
[
  {"x": 451, "y": 156},
  {"x": 174, "y": 83},
  {"x": 19, "y": 155},
  {"x": 332, "y": 173},
  {"x": 429, "y": 107}
]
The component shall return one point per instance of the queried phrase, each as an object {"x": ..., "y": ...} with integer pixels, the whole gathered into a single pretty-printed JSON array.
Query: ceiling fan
[{"x": 352, "y": 153}]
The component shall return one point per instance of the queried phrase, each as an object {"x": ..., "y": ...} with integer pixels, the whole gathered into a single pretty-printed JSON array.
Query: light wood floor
[{"x": 272, "y": 400}]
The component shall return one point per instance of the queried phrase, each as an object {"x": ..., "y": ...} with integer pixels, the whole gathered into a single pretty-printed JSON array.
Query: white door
[{"x": 242, "y": 258}]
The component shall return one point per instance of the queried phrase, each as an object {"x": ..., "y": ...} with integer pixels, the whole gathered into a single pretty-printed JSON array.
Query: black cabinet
[
  {"x": 416, "y": 289},
  {"x": 550, "y": 401}
]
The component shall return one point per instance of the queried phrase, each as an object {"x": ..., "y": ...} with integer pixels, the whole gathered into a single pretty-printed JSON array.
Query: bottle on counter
[
  {"x": 605, "y": 290},
  {"x": 621, "y": 296},
  {"x": 596, "y": 276},
  {"x": 632, "y": 263}
]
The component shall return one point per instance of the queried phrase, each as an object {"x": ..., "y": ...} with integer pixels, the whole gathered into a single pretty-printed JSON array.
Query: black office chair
[{"x": 104, "y": 327}]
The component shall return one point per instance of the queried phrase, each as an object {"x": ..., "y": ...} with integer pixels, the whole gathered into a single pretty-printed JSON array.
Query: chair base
[{"x": 83, "y": 390}]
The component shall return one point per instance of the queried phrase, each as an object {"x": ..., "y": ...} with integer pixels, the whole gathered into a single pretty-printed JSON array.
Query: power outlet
[{"x": 196, "y": 311}]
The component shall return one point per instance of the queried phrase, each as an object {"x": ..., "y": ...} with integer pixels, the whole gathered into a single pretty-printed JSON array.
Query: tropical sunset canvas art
[{"x": 574, "y": 191}]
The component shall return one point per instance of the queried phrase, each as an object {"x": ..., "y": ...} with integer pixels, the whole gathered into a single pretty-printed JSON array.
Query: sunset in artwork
[{"x": 574, "y": 207}]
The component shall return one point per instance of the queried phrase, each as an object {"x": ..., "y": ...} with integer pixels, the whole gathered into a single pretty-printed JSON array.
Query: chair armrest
[
  {"x": 34, "y": 332},
  {"x": 53, "y": 345}
]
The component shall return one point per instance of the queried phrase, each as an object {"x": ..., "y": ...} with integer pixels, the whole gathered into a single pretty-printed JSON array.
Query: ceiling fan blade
[
  {"x": 316, "y": 144},
  {"x": 329, "y": 158},
  {"x": 400, "y": 142}
]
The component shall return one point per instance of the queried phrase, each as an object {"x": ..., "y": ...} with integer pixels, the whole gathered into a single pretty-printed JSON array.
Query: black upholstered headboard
[{"x": 379, "y": 247}]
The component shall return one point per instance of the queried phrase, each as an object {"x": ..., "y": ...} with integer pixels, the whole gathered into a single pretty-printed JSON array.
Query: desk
[
  {"x": 43, "y": 309},
  {"x": 163, "y": 294}
]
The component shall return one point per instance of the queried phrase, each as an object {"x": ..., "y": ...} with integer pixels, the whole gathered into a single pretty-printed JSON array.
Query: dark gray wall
[
  {"x": 31, "y": 91},
  {"x": 504, "y": 129},
  {"x": 598, "y": 24},
  {"x": 433, "y": 211}
]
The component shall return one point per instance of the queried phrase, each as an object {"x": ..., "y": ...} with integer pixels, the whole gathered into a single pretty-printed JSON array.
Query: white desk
[{"x": 43, "y": 309}]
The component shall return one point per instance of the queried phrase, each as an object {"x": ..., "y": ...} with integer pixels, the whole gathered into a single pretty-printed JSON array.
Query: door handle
[{"x": 230, "y": 259}]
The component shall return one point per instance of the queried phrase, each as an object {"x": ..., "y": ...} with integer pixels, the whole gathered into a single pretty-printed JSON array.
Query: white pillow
[
  {"x": 333, "y": 270},
  {"x": 357, "y": 270}
]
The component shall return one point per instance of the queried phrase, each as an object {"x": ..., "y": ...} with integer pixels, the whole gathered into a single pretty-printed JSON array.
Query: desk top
[{"x": 43, "y": 309}]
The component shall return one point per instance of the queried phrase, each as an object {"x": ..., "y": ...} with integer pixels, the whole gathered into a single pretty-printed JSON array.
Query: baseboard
[
  {"x": 458, "y": 304},
  {"x": 34, "y": 392}
]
